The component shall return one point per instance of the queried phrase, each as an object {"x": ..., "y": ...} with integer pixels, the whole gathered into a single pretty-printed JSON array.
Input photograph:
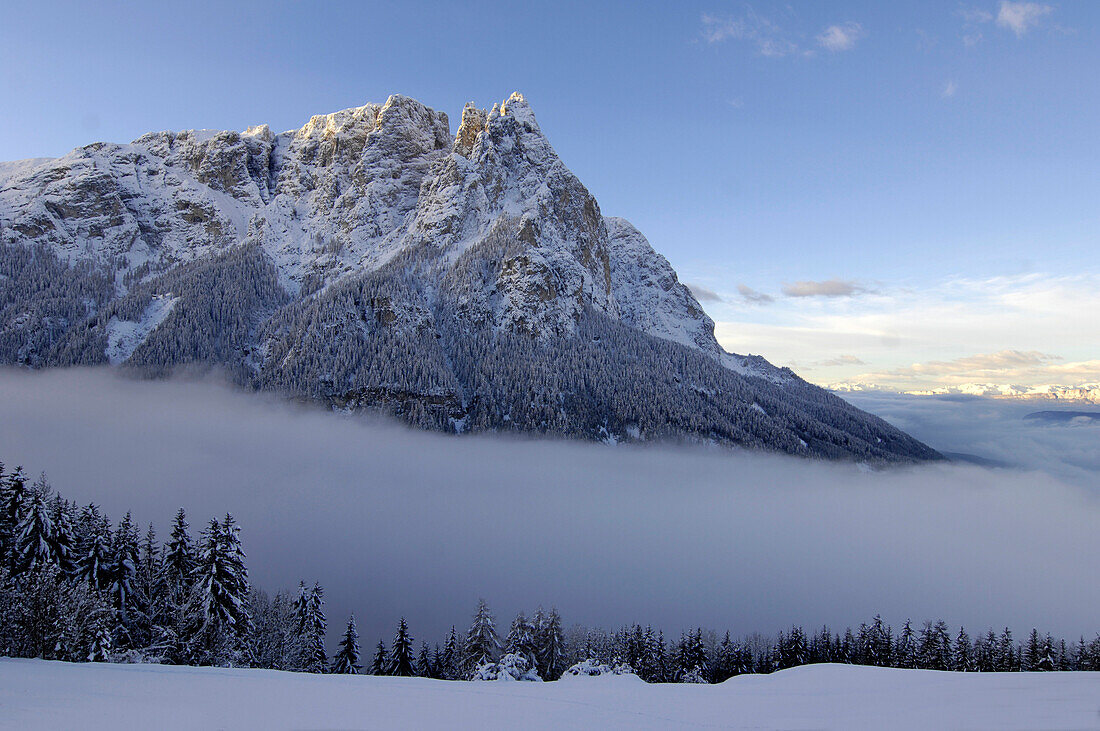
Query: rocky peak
[
  {"x": 370, "y": 258},
  {"x": 473, "y": 124}
]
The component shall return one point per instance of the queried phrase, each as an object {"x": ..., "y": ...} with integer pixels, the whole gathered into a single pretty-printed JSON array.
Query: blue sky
[{"x": 862, "y": 186}]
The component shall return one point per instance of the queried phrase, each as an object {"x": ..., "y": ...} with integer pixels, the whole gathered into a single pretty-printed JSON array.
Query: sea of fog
[{"x": 395, "y": 522}]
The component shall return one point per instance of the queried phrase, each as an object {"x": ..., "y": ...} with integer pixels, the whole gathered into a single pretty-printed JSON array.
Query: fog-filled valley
[{"x": 395, "y": 522}]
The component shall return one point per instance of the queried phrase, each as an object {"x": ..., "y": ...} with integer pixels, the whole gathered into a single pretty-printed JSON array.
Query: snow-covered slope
[
  {"x": 40, "y": 694},
  {"x": 372, "y": 259}
]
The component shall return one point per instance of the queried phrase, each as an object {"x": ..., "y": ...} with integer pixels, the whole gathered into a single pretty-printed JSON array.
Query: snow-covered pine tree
[
  {"x": 725, "y": 660},
  {"x": 521, "y": 639},
  {"x": 482, "y": 644},
  {"x": 985, "y": 652},
  {"x": 848, "y": 650},
  {"x": 691, "y": 656},
  {"x": 1007, "y": 658},
  {"x": 425, "y": 668},
  {"x": 550, "y": 643},
  {"x": 346, "y": 659},
  {"x": 1032, "y": 653},
  {"x": 150, "y": 590},
  {"x": 1046, "y": 655},
  {"x": 64, "y": 535},
  {"x": 179, "y": 557},
  {"x": 448, "y": 667},
  {"x": 311, "y": 626},
  {"x": 649, "y": 663},
  {"x": 123, "y": 575},
  {"x": 34, "y": 539},
  {"x": 219, "y": 611},
  {"x": 662, "y": 657},
  {"x": 378, "y": 665},
  {"x": 880, "y": 643},
  {"x": 13, "y": 497},
  {"x": 905, "y": 649},
  {"x": 401, "y": 654},
  {"x": 84, "y": 624},
  {"x": 963, "y": 654},
  {"x": 93, "y": 548}
]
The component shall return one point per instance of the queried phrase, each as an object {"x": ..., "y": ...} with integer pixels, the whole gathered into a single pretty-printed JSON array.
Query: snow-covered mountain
[{"x": 371, "y": 259}]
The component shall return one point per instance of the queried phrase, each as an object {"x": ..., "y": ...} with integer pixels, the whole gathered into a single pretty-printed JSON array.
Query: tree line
[{"x": 75, "y": 587}]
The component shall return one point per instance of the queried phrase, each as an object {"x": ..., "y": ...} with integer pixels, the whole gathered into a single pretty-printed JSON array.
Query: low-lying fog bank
[{"x": 394, "y": 522}]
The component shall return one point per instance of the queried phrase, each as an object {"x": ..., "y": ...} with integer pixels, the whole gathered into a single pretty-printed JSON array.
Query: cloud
[
  {"x": 949, "y": 89},
  {"x": 841, "y": 37},
  {"x": 951, "y": 319},
  {"x": 397, "y": 522},
  {"x": 827, "y": 288},
  {"x": 752, "y": 296},
  {"x": 995, "y": 430},
  {"x": 760, "y": 32},
  {"x": 1004, "y": 365},
  {"x": 703, "y": 294},
  {"x": 975, "y": 15},
  {"x": 1020, "y": 17},
  {"x": 841, "y": 360}
]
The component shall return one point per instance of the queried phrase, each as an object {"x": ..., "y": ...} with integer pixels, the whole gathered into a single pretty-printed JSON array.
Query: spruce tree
[
  {"x": 311, "y": 628},
  {"x": 220, "y": 619},
  {"x": 880, "y": 643},
  {"x": 448, "y": 667},
  {"x": 425, "y": 668},
  {"x": 725, "y": 661},
  {"x": 962, "y": 657},
  {"x": 1046, "y": 655},
  {"x": 64, "y": 535},
  {"x": 122, "y": 577},
  {"x": 986, "y": 657},
  {"x": 482, "y": 644},
  {"x": 401, "y": 654},
  {"x": 1007, "y": 659},
  {"x": 1032, "y": 654},
  {"x": 551, "y": 647},
  {"x": 13, "y": 498},
  {"x": 378, "y": 666},
  {"x": 179, "y": 556},
  {"x": 93, "y": 564},
  {"x": 34, "y": 540},
  {"x": 521, "y": 639},
  {"x": 905, "y": 648},
  {"x": 346, "y": 659}
]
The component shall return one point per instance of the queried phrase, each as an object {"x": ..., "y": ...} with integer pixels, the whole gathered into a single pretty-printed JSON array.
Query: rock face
[{"x": 371, "y": 259}]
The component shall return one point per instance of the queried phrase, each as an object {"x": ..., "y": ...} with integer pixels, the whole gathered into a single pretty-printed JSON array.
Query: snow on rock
[
  {"x": 39, "y": 694},
  {"x": 124, "y": 337}
]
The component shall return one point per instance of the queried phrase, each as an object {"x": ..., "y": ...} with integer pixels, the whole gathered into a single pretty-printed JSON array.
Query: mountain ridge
[{"x": 371, "y": 259}]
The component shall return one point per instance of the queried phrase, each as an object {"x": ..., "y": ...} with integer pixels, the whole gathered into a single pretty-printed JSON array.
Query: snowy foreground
[{"x": 38, "y": 694}]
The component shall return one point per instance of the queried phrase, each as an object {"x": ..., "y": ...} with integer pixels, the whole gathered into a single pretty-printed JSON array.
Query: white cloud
[
  {"x": 841, "y": 360},
  {"x": 1003, "y": 366},
  {"x": 752, "y": 296},
  {"x": 762, "y": 33},
  {"x": 841, "y": 37},
  {"x": 952, "y": 320},
  {"x": 949, "y": 89},
  {"x": 1020, "y": 17},
  {"x": 702, "y": 293},
  {"x": 827, "y": 288}
]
